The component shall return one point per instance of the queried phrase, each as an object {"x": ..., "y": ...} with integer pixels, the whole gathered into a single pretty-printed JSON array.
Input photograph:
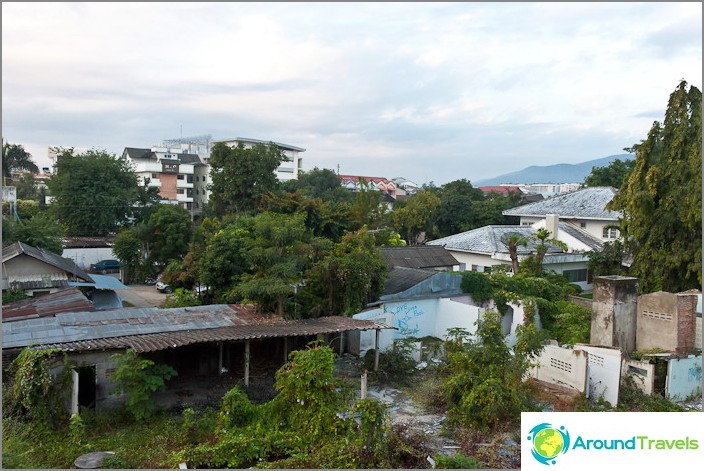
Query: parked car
[
  {"x": 163, "y": 287},
  {"x": 104, "y": 266}
]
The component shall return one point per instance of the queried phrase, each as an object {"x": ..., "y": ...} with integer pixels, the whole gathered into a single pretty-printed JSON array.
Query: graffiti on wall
[{"x": 405, "y": 314}]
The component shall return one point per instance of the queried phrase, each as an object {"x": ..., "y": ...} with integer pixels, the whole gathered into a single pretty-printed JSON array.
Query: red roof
[
  {"x": 367, "y": 179},
  {"x": 63, "y": 300},
  {"x": 504, "y": 190}
]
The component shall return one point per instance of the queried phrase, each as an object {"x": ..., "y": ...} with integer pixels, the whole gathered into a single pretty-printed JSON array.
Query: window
[
  {"x": 575, "y": 276},
  {"x": 155, "y": 175},
  {"x": 582, "y": 225},
  {"x": 180, "y": 191},
  {"x": 180, "y": 176},
  {"x": 189, "y": 192},
  {"x": 610, "y": 233},
  {"x": 189, "y": 179}
]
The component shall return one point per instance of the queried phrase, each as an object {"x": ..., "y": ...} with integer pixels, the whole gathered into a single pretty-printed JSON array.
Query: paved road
[{"x": 142, "y": 296}]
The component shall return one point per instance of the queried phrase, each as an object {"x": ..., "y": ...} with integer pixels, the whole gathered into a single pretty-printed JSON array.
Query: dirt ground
[{"x": 142, "y": 296}]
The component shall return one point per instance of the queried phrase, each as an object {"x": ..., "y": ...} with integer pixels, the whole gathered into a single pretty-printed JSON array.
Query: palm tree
[
  {"x": 14, "y": 157},
  {"x": 541, "y": 249},
  {"x": 512, "y": 242}
]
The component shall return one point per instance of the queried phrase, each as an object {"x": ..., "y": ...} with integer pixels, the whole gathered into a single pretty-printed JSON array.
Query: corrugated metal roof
[
  {"x": 422, "y": 256},
  {"x": 403, "y": 278},
  {"x": 46, "y": 280},
  {"x": 50, "y": 258},
  {"x": 587, "y": 203},
  {"x": 88, "y": 242},
  {"x": 165, "y": 340},
  {"x": 166, "y": 327},
  {"x": 64, "y": 300},
  {"x": 102, "y": 282}
]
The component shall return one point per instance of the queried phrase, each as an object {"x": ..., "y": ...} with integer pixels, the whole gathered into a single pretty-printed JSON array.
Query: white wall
[
  {"x": 562, "y": 366},
  {"x": 85, "y": 257},
  {"x": 642, "y": 373},
  {"x": 604, "y": 372},
  {"x": 456, "y": 312},
  {"x": 469, "y": 259},
  {"x": 684, "y": 378}
]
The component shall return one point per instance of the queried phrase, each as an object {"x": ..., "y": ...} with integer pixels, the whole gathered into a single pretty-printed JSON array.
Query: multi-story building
[
  {"x": 289, "y": 168},
  {"x": 181, "y": 177}
]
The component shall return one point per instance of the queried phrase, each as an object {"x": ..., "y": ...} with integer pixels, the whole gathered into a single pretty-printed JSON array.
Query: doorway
[{"x": 86, "y": 387}]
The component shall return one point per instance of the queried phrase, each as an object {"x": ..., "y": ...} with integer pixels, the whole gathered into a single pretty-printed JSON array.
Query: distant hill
[{"x": 558, "y": 173}]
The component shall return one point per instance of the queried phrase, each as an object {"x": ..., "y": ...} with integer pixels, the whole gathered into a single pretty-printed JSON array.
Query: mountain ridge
[{"x": 556, "y": 173}]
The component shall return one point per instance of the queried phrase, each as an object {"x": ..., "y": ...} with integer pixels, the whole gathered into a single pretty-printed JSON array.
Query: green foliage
[
  {"x": 236, "y": 410},
  {"x": 614, "y": 174},
  {"x": 609, "y": 260},
  {"x": 478, "y": 285},
  {"x": 395, "y": 363},
  {"x": 128, "y": 249},
  {"x": 181, "y": 298},
  {"x": 223, "y": 261},
  {"x": 458, "y": 461},
  {"x": 320, "y": 183},
  {"x": 416, "y": 216},
  {"x": 25, "y": 209},
  {"x": 241, "y": 176},
  {"x": 368, "y": 208},
  {"x": 12, "y": 295},
  {"x": 662, "y": 199},
  {"x": 94, "y": 192},
  {"x": 40, "y": 231},
  {"x": 33, "y": 393},
  {"x": 14, "y": 158},
  {"x": 138, "y": 378},
  {"x": 169, "y": 232},
  {"x": 572, "y": 324},
  {"x": 484, "y": 380}
]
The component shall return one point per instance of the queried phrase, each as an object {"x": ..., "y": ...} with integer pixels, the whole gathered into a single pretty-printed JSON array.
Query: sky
[{"x": 432, "y": 92}]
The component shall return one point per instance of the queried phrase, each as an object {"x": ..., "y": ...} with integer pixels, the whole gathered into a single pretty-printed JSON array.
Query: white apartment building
[{"x": 289, "y": 168}]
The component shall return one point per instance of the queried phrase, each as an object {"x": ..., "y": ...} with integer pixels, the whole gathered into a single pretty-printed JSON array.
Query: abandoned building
[{"x": 199, "y": 342}]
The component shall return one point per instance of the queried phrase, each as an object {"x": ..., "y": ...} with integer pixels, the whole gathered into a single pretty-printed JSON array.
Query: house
[
  {"x": 482, "y": 248},
  {"x": 420, "y": 256},
  {"x": 426, "y": 303},
  {"x": 584, "y": 208},
  {"x": 197, "y": 341},
  {"x": 356, "y": 183},
  {"x": 85, "y": 251},
  {"x": 410, "y": 187},
  {"x": 500, "y": 189},
  {"x": 37, "y": 271},
  {"x": 180, "y": 177},
  {"x": 289, "y": 168}
]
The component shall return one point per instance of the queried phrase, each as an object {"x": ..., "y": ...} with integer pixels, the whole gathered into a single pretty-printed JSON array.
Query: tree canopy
[
  {"x": 15, "y": 157},
  {"x": 614, "y": 174},
  {"x": 661, "y": 200},
  {"x": 93, "y": 193}
]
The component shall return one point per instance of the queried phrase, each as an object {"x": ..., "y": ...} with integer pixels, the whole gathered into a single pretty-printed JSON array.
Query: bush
[
  {"x": 139, "y": 378},
  {"x": 458, "y": 461},
  {"x": 236, "y": 410},
  {"x": 395, "y": 363}
]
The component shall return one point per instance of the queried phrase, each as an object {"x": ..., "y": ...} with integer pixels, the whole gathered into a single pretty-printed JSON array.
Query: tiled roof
[
  {"x": 418, "y": 257},
  {"x": 136, "y": 153},
  {"x": 88, "y": 242},
  {"x": 587, "y": 203},
  {"x": 402, "y": 278},
  {"x": 188, "y": 158},
  {"x": 63, "y": 300},
  {"x": 50, "y": 258},
  {"x": 491, "y": 239},
  {"x": 582, "y": 235},
  {"x": 356, "y": 178},
  {"x": 151, "y": 329},
  {"x": 500, "y": 189}
]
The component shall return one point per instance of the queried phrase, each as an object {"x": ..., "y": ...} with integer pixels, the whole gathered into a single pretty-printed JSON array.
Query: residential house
[
  {"x": 584, "y": 208},
  {"x": 356, "y": 183},
  {"x": 289, "y": 168},
  {"x": 37, "y": 271},
  {"x": 410, "y": 187},
  {"x": 200, "y": 341},
  {"x": 482, "y": 248},
  {"x": 420, "y": 256},
  {"x": 85, "y": 251}
]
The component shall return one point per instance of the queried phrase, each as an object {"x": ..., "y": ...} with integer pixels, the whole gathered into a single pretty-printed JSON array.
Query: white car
[{"x": 163, "y": 287}]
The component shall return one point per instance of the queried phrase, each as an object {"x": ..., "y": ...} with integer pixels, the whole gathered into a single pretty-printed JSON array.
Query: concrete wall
[
  {"x": 85, "y": 257},
  {"x": 666, "y": 321},
  {"x": 456, "y": 312},
  {"x": 359, "y": 343},
  {"x": 469, "y": 259},
  {"x": 562, "y": 366},
  {"x": 614, "y": 312},
  {"x": 642, "y": 373},
  {"x": 604, "y": 372},
  {"x": 584, "y": 302},
  {"x": 24, "y": 265},
  {"x": 684, "y": 378}
]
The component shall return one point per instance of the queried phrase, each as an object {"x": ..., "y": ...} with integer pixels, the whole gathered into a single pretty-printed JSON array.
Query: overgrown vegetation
[{"x": 138, "y": 378}]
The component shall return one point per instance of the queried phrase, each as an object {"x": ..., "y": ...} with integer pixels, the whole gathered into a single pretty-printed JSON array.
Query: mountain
[{"x": 558, "y": 173}]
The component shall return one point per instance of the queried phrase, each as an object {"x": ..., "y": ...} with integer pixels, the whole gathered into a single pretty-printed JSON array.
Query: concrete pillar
[
  {"x": 74, "y": 391},
  {"x": 552, "y": 222},
  {"x": 614, "y": 312},
  {"x": 363, "y": 386},
  {"x": 342, "y": 343},
  {"x": 246, "y": 363},
  {"x": 686, "y": 321},
  {"x": 376, "y": 350}
]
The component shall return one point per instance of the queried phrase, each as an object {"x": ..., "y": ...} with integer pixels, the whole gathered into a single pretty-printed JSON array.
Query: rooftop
[
  {"x": 50, "y": 258},
  {"x": 257, "y": 141},
  {"x": 587, "y": 203},
  {"x": 491, "y": 239},
  {"x": 421, "y": 256}
]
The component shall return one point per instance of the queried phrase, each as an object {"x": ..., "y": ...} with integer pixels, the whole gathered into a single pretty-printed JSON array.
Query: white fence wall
[
  {"x": 562, "y": 366},
  {"x": 604, "y": 372},
  {"x": 455, "y": 312},
  {"x": 684, "y": 378},
  {"x": 642, "y": 373}
]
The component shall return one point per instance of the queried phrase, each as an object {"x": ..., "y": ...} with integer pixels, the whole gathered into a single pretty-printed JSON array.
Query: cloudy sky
[{"x": 428, "y": 91}]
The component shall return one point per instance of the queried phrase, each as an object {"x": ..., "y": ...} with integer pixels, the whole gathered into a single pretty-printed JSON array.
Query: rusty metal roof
[
  {"x": 151, "y": 329},
  {"x": 63, "y": 300}
]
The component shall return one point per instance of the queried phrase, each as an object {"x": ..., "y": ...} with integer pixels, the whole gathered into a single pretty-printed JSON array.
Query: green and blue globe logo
[{"x": 548, "y": 442}]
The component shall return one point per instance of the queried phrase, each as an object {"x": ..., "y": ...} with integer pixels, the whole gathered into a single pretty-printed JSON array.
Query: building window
[
  {"x": 610, "y": 233},
  {"x": 575, "y": 276},
  {"x": 180, "y": 176},
  {"x": 180, "y": 191},
  {"x": 189, "y": 192},
  {"x": 582, "y": 225},
  {"x": 189, "y": 179},
  {"x": 155, "y": 175}
]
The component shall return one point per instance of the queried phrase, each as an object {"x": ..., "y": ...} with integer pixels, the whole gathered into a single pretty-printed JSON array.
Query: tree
[
  {"x": 542, "y": 235},
  {"x": 661, "y": 201},
  {"x": 26, "y": 189},
  {"x": 455, "y": 212},
  {"x": 274, "y": 258},
  {"x": 614, "y": 174},
  {"x": 347, "y": 279},
  {"x": 40, "y": 231},
  {"x": 368, "y": 207},
  {"x": 169, "y": 232},
  {"x": 129, "y": 249},
  {"x": 241, "y": 176},
  {"x": 94, "y": 192},
  {"x": 14, "y": 158},
  {"x": 607, "y": 261},
  {"x": 512, "y": 241},
  {"x": 416, "y": 216},
  {"x": 223, "y": 262},
  {"x": 320, "y": 183}
]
